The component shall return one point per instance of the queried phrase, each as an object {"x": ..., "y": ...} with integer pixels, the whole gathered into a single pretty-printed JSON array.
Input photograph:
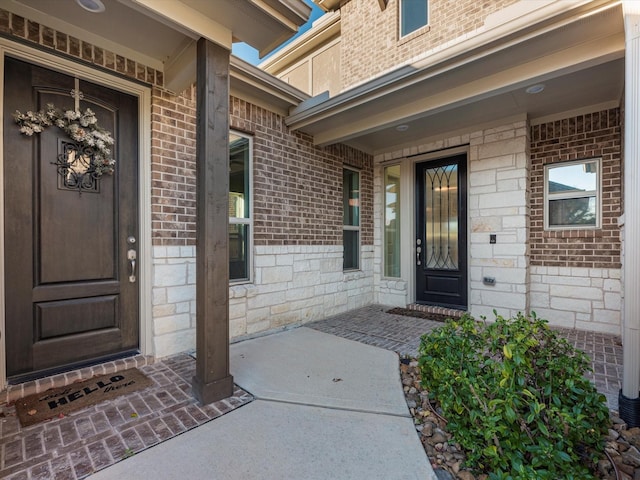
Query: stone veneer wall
[
  {"x": 370, "y": 36},
  {"x": 293, "y": 284},
  {"x": 576, "y": 274},
  {"x": 505, "y": 178},
  {"x": 297, "y": 224},
  {"x": 499, "y": 204},
  {"x": 574, "y": 297},
  {"x": 498, "y": 167}
]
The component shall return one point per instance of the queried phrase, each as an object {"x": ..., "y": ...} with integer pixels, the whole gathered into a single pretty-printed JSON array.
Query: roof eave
[{"x": 499, "y": 36}]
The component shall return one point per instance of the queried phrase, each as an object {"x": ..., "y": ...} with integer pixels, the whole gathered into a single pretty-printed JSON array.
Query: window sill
[
  {"x": 353, "y": 274},
  {"x": 416, "y": 33}
]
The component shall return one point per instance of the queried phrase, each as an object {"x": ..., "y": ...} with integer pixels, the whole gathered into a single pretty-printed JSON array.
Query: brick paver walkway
[
  {"x": 374, "y": 326},
  {"x": 84, "y": 442},
  {"x": 79, "y": 444}
]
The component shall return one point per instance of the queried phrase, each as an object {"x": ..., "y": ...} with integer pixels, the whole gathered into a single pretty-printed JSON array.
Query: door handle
[
  {"x": 418, "y": 251},
  {"x": 131, "y": 256}
]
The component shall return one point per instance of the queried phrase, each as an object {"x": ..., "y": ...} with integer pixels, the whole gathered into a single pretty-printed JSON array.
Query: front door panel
[
  {"x": 69, "y": 299},
  {"x": 441, "y": 240}
]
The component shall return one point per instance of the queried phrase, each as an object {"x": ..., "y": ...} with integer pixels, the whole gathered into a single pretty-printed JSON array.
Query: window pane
[
  {"x": 392, "y": 221},
  {"x": 574, "y": 178},
  {"x": 238, "y": 176},
  {"x": 351, "y": 197},
  {"x": 572, "y": 211},
  {"x": 441, "y": 226},
  {"x": 413, "y": 15},
  {"x": 238, "y": 252},
  {"x": 351, "y": 247}
]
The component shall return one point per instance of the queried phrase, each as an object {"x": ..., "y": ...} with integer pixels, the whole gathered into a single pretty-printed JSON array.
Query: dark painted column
[{"x": 212, "y": 380}]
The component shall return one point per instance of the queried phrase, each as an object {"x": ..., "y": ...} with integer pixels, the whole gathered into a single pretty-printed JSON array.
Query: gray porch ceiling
[
  {"x": 578, "y": 56},
  {"x": 162, "y": 33}
]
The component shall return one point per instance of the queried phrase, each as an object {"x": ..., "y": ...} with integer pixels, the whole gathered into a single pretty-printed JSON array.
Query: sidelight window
[
  {"x": 392, "y": 221},
  {"x": 351, "y": 216}
]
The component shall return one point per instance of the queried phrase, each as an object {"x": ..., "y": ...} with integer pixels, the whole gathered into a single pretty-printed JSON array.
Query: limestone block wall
[
  {"x": 174, "y": 299},
  {"x": 293, "y": 285},
  {"x": 581, "y": 298},
  {"x": 499, "y": 204},
  {"x": 497, "y": 179},
  {"x": 297, "y": 284}
]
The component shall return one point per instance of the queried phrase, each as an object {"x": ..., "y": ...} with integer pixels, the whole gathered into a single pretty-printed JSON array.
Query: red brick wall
[
  {"x": 586, "y": 136},
  {"x": 173, "y": 167},
  {"x": 371, "y": 43},
  {"x": 60, "y": 42},
  {"x": 297, "y": 186}
]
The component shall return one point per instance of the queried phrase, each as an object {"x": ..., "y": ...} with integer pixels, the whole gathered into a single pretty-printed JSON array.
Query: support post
[
  {"x": 629, "y": 401},
  {"x": 212, "y": 380}
]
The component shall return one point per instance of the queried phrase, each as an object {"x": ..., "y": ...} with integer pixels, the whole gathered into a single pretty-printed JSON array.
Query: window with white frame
[
  {"x": 414, "y": 14},
  {"x": 351, "y": 223},
  {"x": 572, "y": 194},
  {"x": 240, "y": 190},
  {"x": 392, "y": 221}
]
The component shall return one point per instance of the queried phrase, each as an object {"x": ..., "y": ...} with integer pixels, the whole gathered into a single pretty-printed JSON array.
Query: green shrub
[{"x": 515, "y": 398}]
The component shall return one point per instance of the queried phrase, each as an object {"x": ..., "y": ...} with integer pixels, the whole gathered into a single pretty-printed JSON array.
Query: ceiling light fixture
[
  {"x": 402, "y": 128},
  {"x": 93, "y": 6},
  {"x": 533, "y": 89}
]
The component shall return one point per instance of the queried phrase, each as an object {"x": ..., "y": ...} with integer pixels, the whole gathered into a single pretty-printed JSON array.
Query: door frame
[
  {"x": 143, "y": 92},
  {"x": 408, "y": 255}
]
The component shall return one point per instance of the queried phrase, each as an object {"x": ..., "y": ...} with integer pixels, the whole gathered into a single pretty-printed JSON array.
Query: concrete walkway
[{"x": 325, "y": 408}]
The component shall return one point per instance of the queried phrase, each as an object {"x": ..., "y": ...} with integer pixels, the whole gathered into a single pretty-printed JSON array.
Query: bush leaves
[{"x": 515, "y": 397}]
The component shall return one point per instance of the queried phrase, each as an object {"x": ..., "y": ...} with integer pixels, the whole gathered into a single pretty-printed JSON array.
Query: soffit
[
  {"x": 260, "y": 88},
  {"x": 580, "y": 62},
  {"x": 162, "y": 33}
]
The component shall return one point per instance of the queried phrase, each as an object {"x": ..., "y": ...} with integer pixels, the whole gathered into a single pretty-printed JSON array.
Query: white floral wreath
[{"x": 80, "y": 127}]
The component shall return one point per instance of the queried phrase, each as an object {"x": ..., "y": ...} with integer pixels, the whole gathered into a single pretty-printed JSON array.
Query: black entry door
[
  {"x": 441, "y": 239},
  {"x": 70, "y": 294}
]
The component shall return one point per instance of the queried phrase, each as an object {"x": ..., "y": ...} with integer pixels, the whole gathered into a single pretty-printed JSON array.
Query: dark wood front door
[
  {"x": 441, "y": 240},
  {"x": 69, "y": 296}
]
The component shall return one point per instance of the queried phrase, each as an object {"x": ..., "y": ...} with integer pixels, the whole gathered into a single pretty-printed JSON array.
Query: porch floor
[
  {"x": 374, "y": 326},
  {"x": 82, "y": 443}
]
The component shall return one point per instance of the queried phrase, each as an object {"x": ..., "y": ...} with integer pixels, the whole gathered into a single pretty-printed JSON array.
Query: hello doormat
[{"x": 61, "y": 401}]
